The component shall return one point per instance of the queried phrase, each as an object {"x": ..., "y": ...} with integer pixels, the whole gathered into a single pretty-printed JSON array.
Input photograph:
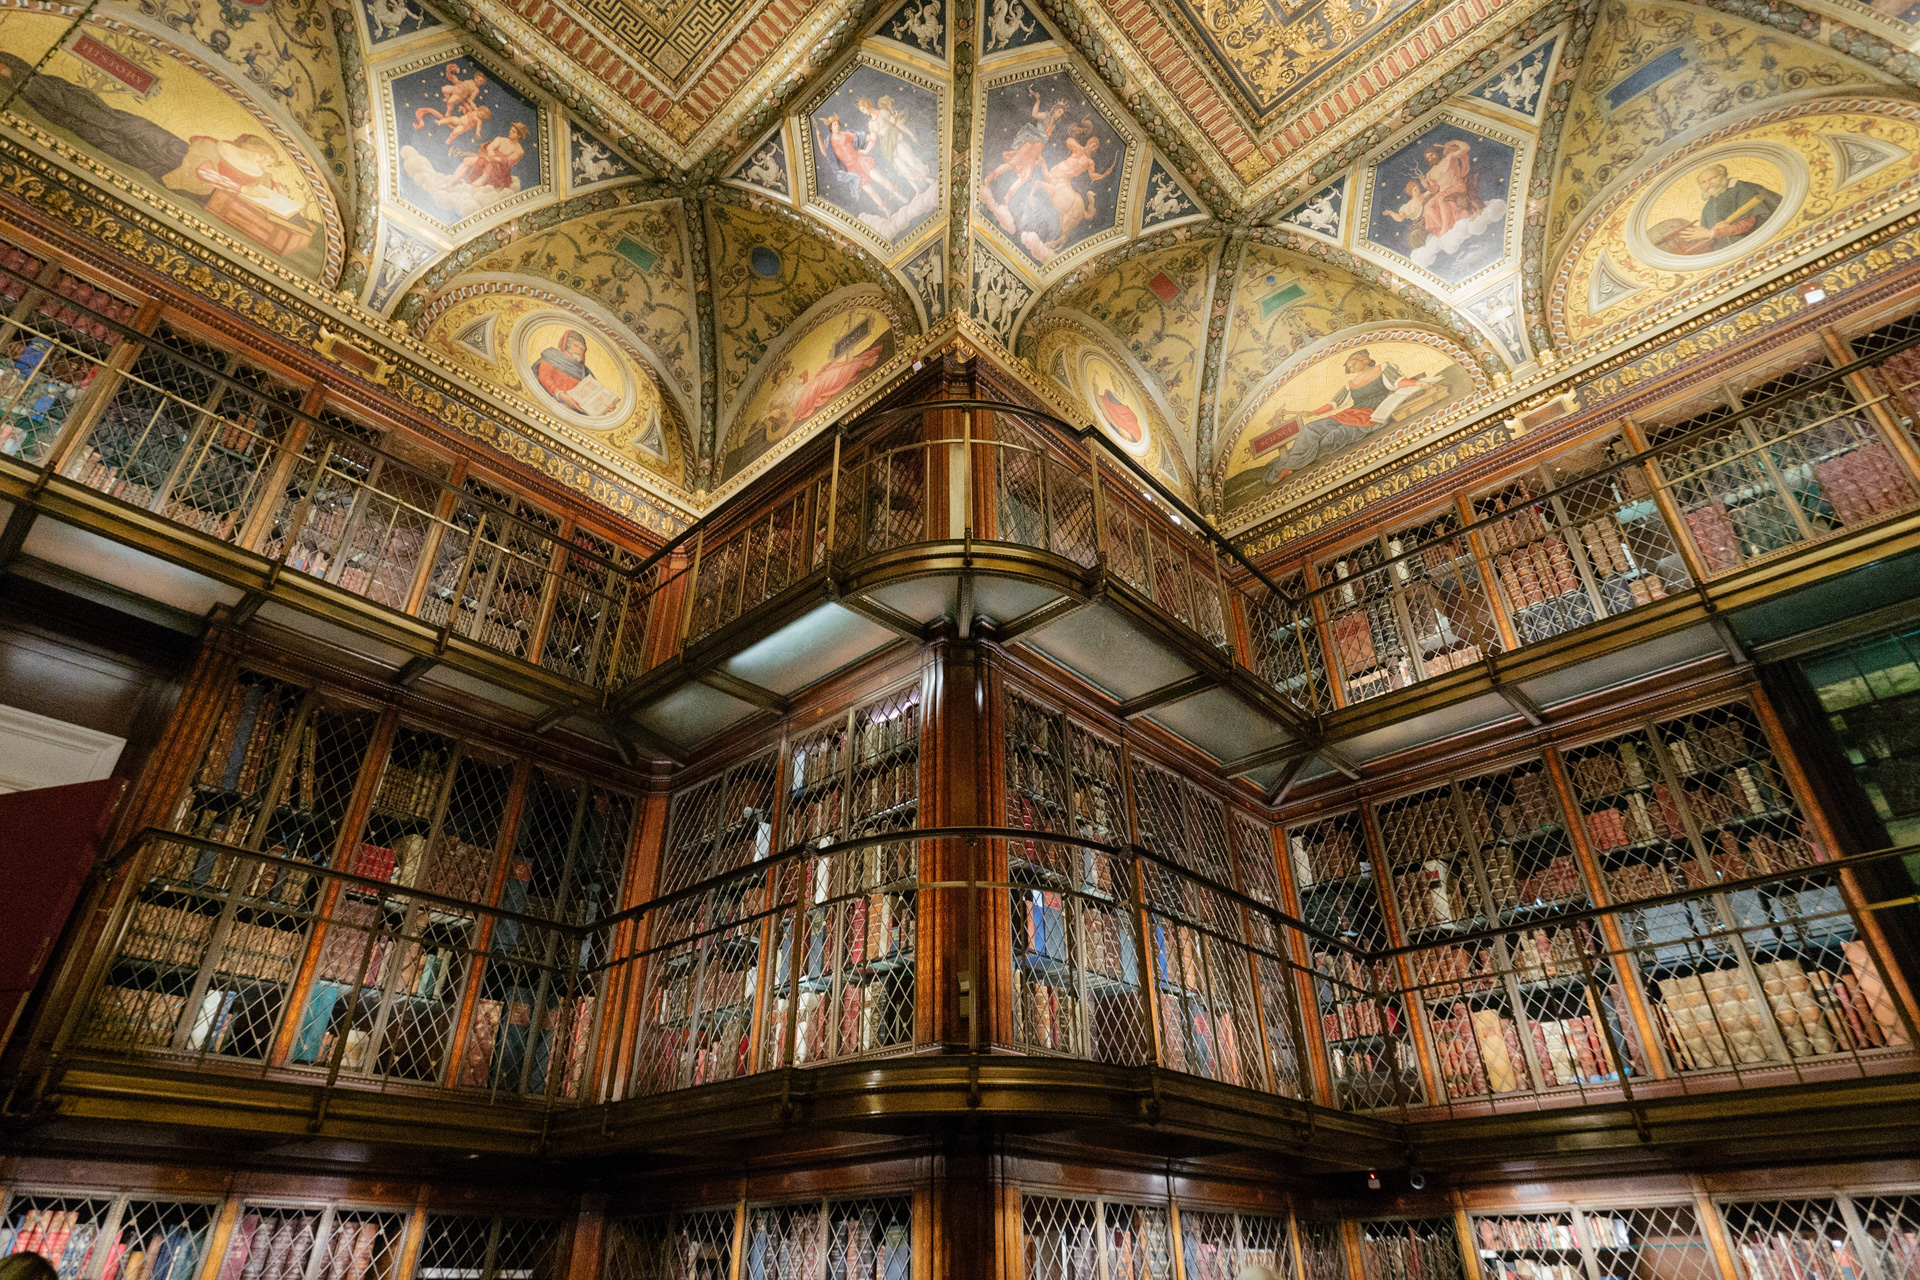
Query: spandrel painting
[
  {"x": 1440, "y": 202},
  {"x": 808, "y": 376},
  {"x": 150, "y": 114},
  {"x": 876, "y": 146},
  {"x": 466, "y": 141},
  {"x": 1052, "y": 165},
  {"x": 584, "y": 376},
  {"x": 1335, "y": 403},
  {"x": 1708, "y": 216}
]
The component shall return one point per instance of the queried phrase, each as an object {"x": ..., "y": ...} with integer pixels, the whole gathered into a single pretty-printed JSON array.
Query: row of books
[
  {"x": 215, "y": 524},
  {"x": 59, "y": 1236},
  {"x": 1432, "y": 894},
  {"x": 1479, "y": 1051},
  {"x": 281, "y": 1246},
  {"x": 1326, "y": 851},
  {"x": 1641, "y": 819},
  {"x": 1498, "y": 1268},
  {"x": 1366, "y": 1064},
  {"x": 1417, "y": 826},
  {"x": 1804, "y": 1254},
  {"x": 389, "y": 579},
  {"x": 136, "y": 1015},
  {"x": 239, "y": 755},
  {"x": 1744, "y": 790},
  {"x": 1200, "y": 1040},
  {"x": 1354, "y": 1019},
  {"x": 1560, "y": 880},
  {"x": 1606, "y": 551},
  {"x": 719, "y": 988},
  {"x": 1864, "y": 483},
  {"x": 1506, "y": 1235},
  {"x": 167, "y": 1253},
  {"x": 166, "y": 935},
  {"x": 1537, "y": 570},
  {"x": 1738, "y": 857},
  {"x": 412, "y": 792},
  {"x": 1411, "y": 1256},
  {"x": 869, "y": 1016},
  {"x": 1525, "y": 520},
  {"x": 1046, "y": 1013},
  {"x": 262, "y": 952},
  {"x": 1549, "y": 953}
]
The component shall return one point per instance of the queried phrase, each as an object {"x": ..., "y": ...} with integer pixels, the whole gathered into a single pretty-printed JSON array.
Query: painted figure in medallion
[
  {"x": 1730, "y": 210},
  {"x": 562, "y": 373}
]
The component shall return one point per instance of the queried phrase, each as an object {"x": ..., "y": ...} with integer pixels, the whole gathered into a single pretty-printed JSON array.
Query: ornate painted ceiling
[{"x": 1264, "y": 244}]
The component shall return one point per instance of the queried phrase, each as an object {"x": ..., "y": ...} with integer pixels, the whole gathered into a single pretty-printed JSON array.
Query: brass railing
[{"x": 88, "y": 401}]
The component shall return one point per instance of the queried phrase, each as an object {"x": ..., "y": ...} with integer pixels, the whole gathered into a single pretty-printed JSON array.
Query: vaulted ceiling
[{"x": 1264, "y": 244}]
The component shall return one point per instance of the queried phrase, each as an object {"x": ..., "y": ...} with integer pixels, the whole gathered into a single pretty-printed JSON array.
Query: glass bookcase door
[
  {"x": 847, "y": 939},
  {"x": 1074, "y": 933},
  {"x": 1363, "y": 1022},
  {"x": 1410, "y": 1249},
  {"x": 690, "y": 1244}
]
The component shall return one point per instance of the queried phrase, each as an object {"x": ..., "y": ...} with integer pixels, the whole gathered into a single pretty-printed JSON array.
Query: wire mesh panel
[
  {"x": 694, "y": 1244},
  {"x": 214, "y": 942},
  {"x": 492, "y": 564},
  {"x": 466, "y": 1247},
  {"x": 1203, "y": 986},
  {"x": 538, "y": 1002},
  {"x": 1632, "y": 823},
  {"x": 1519, "y": 835},
  {"x": 1664, "y": 1242},
  {"x": 1530, "y": 1246},
  {"x": 157, "y": 1240},
  {"x": 867, "y": 1239},
  {"x": 1075, "y": 941},
  {"x": 1410, "y": 1249},
  {"x": 1258, "y": 876},
  {"x": 1071, "y": 1239},
  {"x": 65, "y": 1229},
  {"x": 703, "y": 977},
  {"x": 1613, "y": 527},
  {"x": 1792, "y": 1240},
  {"x": 1439, "y": 590},
  {"x": 1283, "y": 643},
  {"x": 52, "y": 356},
  {"x": 1323, "y": 1254},
  {"x": 1370, "y": 1053},
  {"x": 310, "y": 1241},
  {"x": 1429, "y": 852},
  {"x": 1218, "y": 1245},
  {"x": 1892, "y": 1227},
  {"x": 1364, "y": 625},
  {"x": 584, "y": 614},
  {"x": 851, "y": 953}
]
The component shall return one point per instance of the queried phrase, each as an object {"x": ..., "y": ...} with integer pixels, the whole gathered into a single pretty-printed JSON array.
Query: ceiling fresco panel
[
  {"x": 463, "y": 143},
  {"x": 1053, "y": 165},
  {"x": 877, "y": 142}
]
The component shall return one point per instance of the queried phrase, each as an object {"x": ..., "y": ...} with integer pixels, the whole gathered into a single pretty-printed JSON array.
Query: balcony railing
[
  {"x": 248, "y": 962},
  {"x": 90, "y": 403}
]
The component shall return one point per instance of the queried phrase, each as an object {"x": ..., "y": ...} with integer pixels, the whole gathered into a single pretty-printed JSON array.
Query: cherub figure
[{"x": 456, "y": 97}]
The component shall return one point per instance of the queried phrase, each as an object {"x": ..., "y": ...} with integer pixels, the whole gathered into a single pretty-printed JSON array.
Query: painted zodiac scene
[
  {"x": 467, "y": 141},
  {"x": 877, "y": 145},
  {"x": 1051, "y": 165}
]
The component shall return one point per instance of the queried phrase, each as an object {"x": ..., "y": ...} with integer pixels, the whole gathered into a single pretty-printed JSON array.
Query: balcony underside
[
  {"x": 112, "y": 1108},
  {"x": 1085, "y": 620}
]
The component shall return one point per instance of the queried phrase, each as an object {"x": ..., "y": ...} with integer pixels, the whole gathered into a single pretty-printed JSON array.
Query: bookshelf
[
  {"x": 1365, "y": 624},
  {"x": 1799, "y": 1239},
  {"x": 1203, "y": 985},
  {"x": 689, "y": 1244},
  {"x": 1370, "y": 1054},
  {"x": 96, "y": 1236},
  {"x": 1076, "y": 949},
  {"x": 458, "y": 1246},
  {"x": 865, "y": 1239},
  {"x": 1743, "y": 978},
  {"x": 1097, "y": 1239},
  {"x": 434, "y": 824},
  {"x": 213, "y": 943},
  {"x": 1222, "y": 1245},
  {"x": 1538, "y": 1008},
  {"x": 702, "y": 988},
  {"x": 280, "y": 1241},
  {"x": 846, "y": 957},
  {"x": 495, "y": 559},
  {"x": 1440, "y": 595},
  {"x": 1323, "y": 1249},
  {"x": 534, "y": 1017},
  {"x": 1624, "y": 1242},
  {"x": 1410, "y": 1249}
]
